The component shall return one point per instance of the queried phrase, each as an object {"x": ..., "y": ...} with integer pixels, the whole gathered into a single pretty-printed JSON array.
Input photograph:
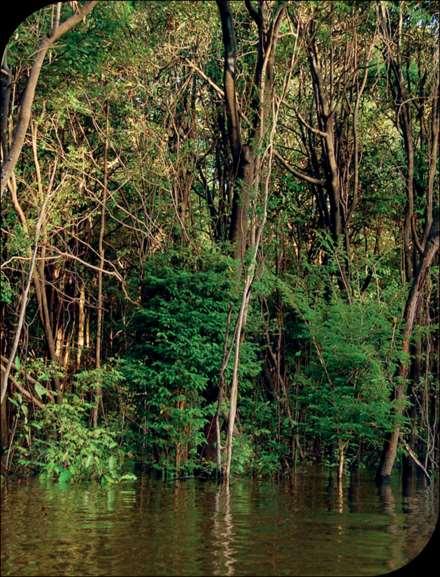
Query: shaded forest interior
[{"x": 220, "y": 238}]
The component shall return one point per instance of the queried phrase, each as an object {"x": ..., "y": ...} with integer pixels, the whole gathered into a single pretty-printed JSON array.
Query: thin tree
[{"x": 24, "y": 115}]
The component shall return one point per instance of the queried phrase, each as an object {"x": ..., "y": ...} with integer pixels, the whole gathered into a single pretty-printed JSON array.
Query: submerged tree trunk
[
  {"x": 391, "y": 444},
  {"x": 342, "y": 446}
]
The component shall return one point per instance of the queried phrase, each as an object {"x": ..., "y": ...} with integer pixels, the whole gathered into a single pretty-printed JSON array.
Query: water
[{"x": 304, "y": 526}]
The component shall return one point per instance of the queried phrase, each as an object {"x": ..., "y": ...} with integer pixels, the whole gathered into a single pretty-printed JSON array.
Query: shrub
[
  {"x": 173, "y": 366},
  {"x": 66, "y": 448}
]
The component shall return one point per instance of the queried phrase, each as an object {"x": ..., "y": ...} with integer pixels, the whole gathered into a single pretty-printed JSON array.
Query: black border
[{"x": 423, "y": 565}]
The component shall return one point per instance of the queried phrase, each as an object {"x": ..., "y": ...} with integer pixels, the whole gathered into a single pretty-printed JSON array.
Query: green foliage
[
  {"x": 19, "y": 242},
  {"x": 84, "y": 50},
  {"x": 157, "y": 68},
  {"x": 345, "y": 389},
  {"x": 243, "y": 455},
  {"x": 107, "y": 378},
  {"x": 6, "y": 291},
  {"x": 173, "y": 367},
  {"x": 42, "y": 370},
  {"x": 65, "y": 447},
  {"x": 267, "y": 435}
]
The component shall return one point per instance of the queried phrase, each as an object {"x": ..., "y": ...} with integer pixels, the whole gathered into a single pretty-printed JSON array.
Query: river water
[{"x": 303, "y": 526}]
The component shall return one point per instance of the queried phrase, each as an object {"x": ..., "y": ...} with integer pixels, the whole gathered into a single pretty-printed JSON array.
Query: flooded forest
[{"x": 219, "y": 288}]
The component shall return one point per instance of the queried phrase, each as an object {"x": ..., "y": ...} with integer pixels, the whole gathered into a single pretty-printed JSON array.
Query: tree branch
[
  {"x": 299, "y": 174},
  {"x": 29, "y": 93}
]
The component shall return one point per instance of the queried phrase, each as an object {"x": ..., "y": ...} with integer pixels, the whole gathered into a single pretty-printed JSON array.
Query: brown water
[{"x": 299, "y": 527}]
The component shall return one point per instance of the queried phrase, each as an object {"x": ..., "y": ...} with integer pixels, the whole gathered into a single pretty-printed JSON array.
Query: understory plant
[
  {"x": 65, "y": 447},
  {"x": 172, "y": 369},
  {"x": 343, "y": 386}
]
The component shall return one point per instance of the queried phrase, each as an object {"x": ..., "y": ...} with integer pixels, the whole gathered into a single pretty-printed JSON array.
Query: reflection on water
[
  {"x": 302, "y": 526},
  {"x": 223, "y": 532}
]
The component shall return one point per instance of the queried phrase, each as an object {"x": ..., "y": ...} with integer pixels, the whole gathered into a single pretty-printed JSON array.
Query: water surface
[{"x": 303, "y": 526}]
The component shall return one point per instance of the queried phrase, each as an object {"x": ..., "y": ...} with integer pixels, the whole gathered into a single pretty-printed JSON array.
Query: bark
[
  {"x": 40, "y": 291},
  {"x": 242, "y": 316},
  {"x": 417, "y": 255},
  {"x": 4, "y": 431},
  {"x": 229, "y": 46},
  {"x": 242, "y": 168},
  {"x": 245, "y": 164},
  {"x": 341, "y": 459},
  {"x": 332, "y": 140},
  {"x": 247, "y": 171},
  {"x": 240, "y": 202},
  {"x": 234, "y": 385},
  {"x": 221, "y": 390},
  {"x": 411, "y": 308},
  {"x": 327, "y": 131},
  {"x": 24, "y": 302},
  {"x": 433, "y": 156},
  {"x": 101, "y": 251},
  {"x": 40, "y": 276},
  {"x": 81, "y": 325},
  {"x": 5, "y": 99}
]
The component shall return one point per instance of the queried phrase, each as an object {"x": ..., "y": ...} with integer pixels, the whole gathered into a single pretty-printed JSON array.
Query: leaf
[
  {"x": 17, "y": 363},
  {"x": 65, "y": 476},
  {"x": 128, "y": 477},
  {"x": 112, "y": 463},
  {"x": 40, "y": 390}
]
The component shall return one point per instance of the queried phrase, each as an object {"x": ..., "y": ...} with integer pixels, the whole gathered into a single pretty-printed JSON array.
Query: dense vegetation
[{"x": 220, "y": 238}]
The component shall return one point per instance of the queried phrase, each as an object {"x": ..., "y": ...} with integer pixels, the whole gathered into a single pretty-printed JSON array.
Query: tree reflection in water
[
  {"x": 301, "y": 526},
  {"x": 223, "y": 532}
]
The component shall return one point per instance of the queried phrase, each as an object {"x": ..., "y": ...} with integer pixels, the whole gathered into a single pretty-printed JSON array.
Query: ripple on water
[{"x": 304, "y": 526}]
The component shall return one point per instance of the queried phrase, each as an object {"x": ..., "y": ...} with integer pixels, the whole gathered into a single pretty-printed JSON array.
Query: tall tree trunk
[
  {"x": 81, "y": 325},
  {"x": 101, "y": 250},
  {"x": 242, "y": 165},
  {"x": 247, "y": 170},
  {"x": 5, "y": 101},
  {"x": 24, "y": 300},
  {"x": 411, "y": 308},
  {"x": 240, "y": 202},
  {"x": 418, "y": 255}
]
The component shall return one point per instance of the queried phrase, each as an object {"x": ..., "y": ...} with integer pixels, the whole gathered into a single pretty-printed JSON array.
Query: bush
[
  {"x": 66, "y": 448},
  {"x": 345, "y": 389},
  {"x": 173, "y": 367}
]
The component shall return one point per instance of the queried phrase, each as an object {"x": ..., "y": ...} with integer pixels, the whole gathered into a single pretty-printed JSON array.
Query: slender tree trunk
[
  {"x": 234, "y": 386},
  {"x": 247, "y": 169},
  {"x": 4, "y": 433},
  {"x": 221, "y": 390},
  {"x": 101, "y": 250},
  {"x": 40, "y": 290},
  {"x": 341, "y": 459},
  {"x": 24, "y": 301},
  {"x": 391, "y": 444},
  {"x": 29, "y": 93},
  {"x": 81, "y": 325},
  {"x": 5, "y": 100}
]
